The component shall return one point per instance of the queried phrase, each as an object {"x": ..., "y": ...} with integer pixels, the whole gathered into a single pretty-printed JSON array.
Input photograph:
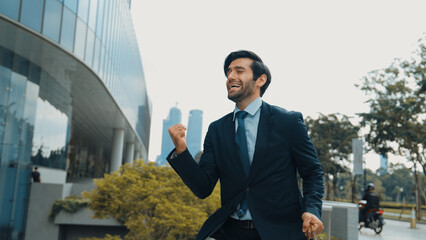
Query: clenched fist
[{"x": 177, "y": 134}]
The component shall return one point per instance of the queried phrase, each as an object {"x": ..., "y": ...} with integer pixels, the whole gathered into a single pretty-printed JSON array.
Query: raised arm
[{"x": 200, "y": 178}]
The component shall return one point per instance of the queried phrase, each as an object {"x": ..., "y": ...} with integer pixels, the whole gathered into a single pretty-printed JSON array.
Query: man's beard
[{"x": 245, "y": 93}]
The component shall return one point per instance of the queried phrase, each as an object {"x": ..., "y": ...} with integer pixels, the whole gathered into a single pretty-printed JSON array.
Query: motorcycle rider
[{"x": 373, "y": 202}]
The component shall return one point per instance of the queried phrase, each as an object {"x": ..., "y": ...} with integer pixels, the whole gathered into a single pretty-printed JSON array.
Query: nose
[{"x": 231, "y": 76}]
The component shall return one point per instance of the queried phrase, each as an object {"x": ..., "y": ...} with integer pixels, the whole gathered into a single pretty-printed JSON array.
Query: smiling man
[{"x": 255, "y": 151}]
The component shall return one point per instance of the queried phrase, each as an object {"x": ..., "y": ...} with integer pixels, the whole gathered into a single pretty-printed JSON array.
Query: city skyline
[
  {"x": 174, "y": 117},
  {"x": 316, "y": 51},
  {"x": 194, "y": 128}
]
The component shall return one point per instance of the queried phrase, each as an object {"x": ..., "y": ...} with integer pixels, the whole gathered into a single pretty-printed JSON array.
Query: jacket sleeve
[
  {"x": 200, "y": 178},
  {"x": 309, "y": 167}
]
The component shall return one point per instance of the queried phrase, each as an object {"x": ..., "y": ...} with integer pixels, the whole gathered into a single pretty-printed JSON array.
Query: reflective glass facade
[
  {"x": 175, "y": 116},
  {"x": 195, "y": 126},
  {"x": 42, "y": 121},
  {"x": 32, "y": 131},
  {"x": 99, "y": 33}
]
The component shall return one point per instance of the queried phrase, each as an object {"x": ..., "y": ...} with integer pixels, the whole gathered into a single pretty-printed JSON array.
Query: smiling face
[{"x": 239, "y": 83}]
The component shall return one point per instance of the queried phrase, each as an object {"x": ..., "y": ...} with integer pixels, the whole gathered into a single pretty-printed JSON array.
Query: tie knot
[{"x": 241, "y": 114}]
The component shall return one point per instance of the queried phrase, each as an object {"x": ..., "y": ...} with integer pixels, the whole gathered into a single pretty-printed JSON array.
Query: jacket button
[{"x": 247, "y": 188}]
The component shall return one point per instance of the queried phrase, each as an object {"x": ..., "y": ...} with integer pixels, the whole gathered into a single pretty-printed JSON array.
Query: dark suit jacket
[{"x": 283, "y": 147}]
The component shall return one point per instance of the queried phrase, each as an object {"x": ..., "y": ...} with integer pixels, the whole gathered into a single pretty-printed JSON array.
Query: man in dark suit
[{"x": 255, "y": 152}]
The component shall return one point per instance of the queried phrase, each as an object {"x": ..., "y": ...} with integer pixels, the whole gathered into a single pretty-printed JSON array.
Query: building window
[
  {"x": 32, "y": 13},
  {"x": 89, "y": 47},
  {"x": 10, "y": 8},
  {"x": 96, "y": 55},
  {"x": 83, "y": 9},
  {"x": 68, "y": 29},
  {"x": 71, "y": 4},
  {"x": 52, "y": 19},
  {"x": 80, "y": 39},
  {"x": 14, "y": 114},
  {"x": 100, "y": 20},
  {"x": 30, "y": 108},
  {"x": 4, "y": 94},
  {"x": 50, "y": 139},
  {"x": 92, "y": 14}
]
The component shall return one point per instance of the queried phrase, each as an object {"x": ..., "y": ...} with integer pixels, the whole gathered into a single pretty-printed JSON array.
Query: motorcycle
[{"x": 373, "y": 219}]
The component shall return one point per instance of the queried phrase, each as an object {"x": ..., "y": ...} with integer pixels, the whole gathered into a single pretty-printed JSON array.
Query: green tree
[
  {"x": 332, "y": 137},
  {"x": 397, "y": 110},
  {"x": 415, "y": 69},
  {"x": 395, "y": 123},
  {"x": 398, "y": 177},
  {"x": 346, "y": 182},
  {"x": 416, "y": 66},
  {"x": 152, "y": 202}
]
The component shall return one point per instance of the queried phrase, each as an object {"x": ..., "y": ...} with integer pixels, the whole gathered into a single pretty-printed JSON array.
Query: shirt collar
[{"x": 251, "y": 109}]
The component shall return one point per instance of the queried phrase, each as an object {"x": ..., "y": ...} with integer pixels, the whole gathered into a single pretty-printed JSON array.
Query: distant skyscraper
[
  {"x": 175, "y": 116},
  {"x": 193, "y": 139},
  {"x": 383, "y": 164}
]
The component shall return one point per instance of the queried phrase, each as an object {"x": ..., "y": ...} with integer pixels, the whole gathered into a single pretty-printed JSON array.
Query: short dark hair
[{"x": 257, "y": 66}]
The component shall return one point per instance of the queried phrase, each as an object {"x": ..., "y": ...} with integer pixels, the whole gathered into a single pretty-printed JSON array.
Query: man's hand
[
  {"x": 177, "y": 134},
  {"x": 310, "y": 224}
]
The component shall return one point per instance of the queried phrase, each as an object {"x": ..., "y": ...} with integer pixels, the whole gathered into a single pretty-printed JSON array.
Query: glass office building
[
  {"x": 195, "y": 126},
  {"x": 72, "y": 95},
  {"x": 175, "y": 116}
]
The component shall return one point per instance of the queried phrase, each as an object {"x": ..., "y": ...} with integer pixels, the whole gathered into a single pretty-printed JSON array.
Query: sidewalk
[{"x": 394, "y": 230}]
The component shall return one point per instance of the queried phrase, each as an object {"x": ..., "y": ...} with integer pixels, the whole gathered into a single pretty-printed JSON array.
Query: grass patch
[
  {"x": 323, "y": 236},
  {"x": 405, "y": 212}
]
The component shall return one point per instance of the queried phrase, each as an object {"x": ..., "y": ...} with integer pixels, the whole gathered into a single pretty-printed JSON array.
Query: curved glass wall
[
  {"x": 33, "y": 131},
  {"x": 100, "y": 34},
  {"x": 36, "y": 110}
]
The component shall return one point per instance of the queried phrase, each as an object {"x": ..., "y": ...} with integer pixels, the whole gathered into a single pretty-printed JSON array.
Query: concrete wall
[
  {"x": 344, "y": 220},
  {"x": 51, "y": 175},
  {"x": 66, "y": 225},
  {"x": 326, "y": 218},
  {"x": 42, "y": 197},
  {"x": 74, "y": 226},
  {"x": 76, "y": 232},
  {"x": 82, "y": 217}
]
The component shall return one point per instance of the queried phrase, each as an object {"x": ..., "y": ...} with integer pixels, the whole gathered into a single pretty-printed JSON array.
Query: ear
[{"x": 261, "y": 80}]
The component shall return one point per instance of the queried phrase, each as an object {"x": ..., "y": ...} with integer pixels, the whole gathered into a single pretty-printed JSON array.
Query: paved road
[{"x": 395, "y": 230}]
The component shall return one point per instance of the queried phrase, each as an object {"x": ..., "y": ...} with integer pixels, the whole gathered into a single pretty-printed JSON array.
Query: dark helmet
[{"x": 370, "y": 186}]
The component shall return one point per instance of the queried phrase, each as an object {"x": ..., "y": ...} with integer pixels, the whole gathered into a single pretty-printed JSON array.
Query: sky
[{"x": 316, "y": 51}]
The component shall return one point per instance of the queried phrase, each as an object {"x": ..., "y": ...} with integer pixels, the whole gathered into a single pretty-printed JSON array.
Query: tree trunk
[
  {"x": 418, "y": 206},
  {"x": 334, "y": 186},
  {"x": 353, "y": 187},
  {"x": 327, "y": 184}
]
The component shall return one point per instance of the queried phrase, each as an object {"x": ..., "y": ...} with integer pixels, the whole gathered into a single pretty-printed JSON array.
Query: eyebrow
[{"x": 236, "y": 67}]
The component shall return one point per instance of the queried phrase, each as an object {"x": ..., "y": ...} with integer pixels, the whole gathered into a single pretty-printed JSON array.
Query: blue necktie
[{"x": 240, "y": 138}]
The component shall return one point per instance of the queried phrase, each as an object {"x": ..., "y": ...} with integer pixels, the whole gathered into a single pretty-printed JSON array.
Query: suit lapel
[
  {"x": 261, "y": 140},
  {"x": 231, "y": 146}
]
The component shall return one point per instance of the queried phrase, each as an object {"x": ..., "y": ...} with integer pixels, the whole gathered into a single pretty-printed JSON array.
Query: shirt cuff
[{"x": 173, "y": 155}]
